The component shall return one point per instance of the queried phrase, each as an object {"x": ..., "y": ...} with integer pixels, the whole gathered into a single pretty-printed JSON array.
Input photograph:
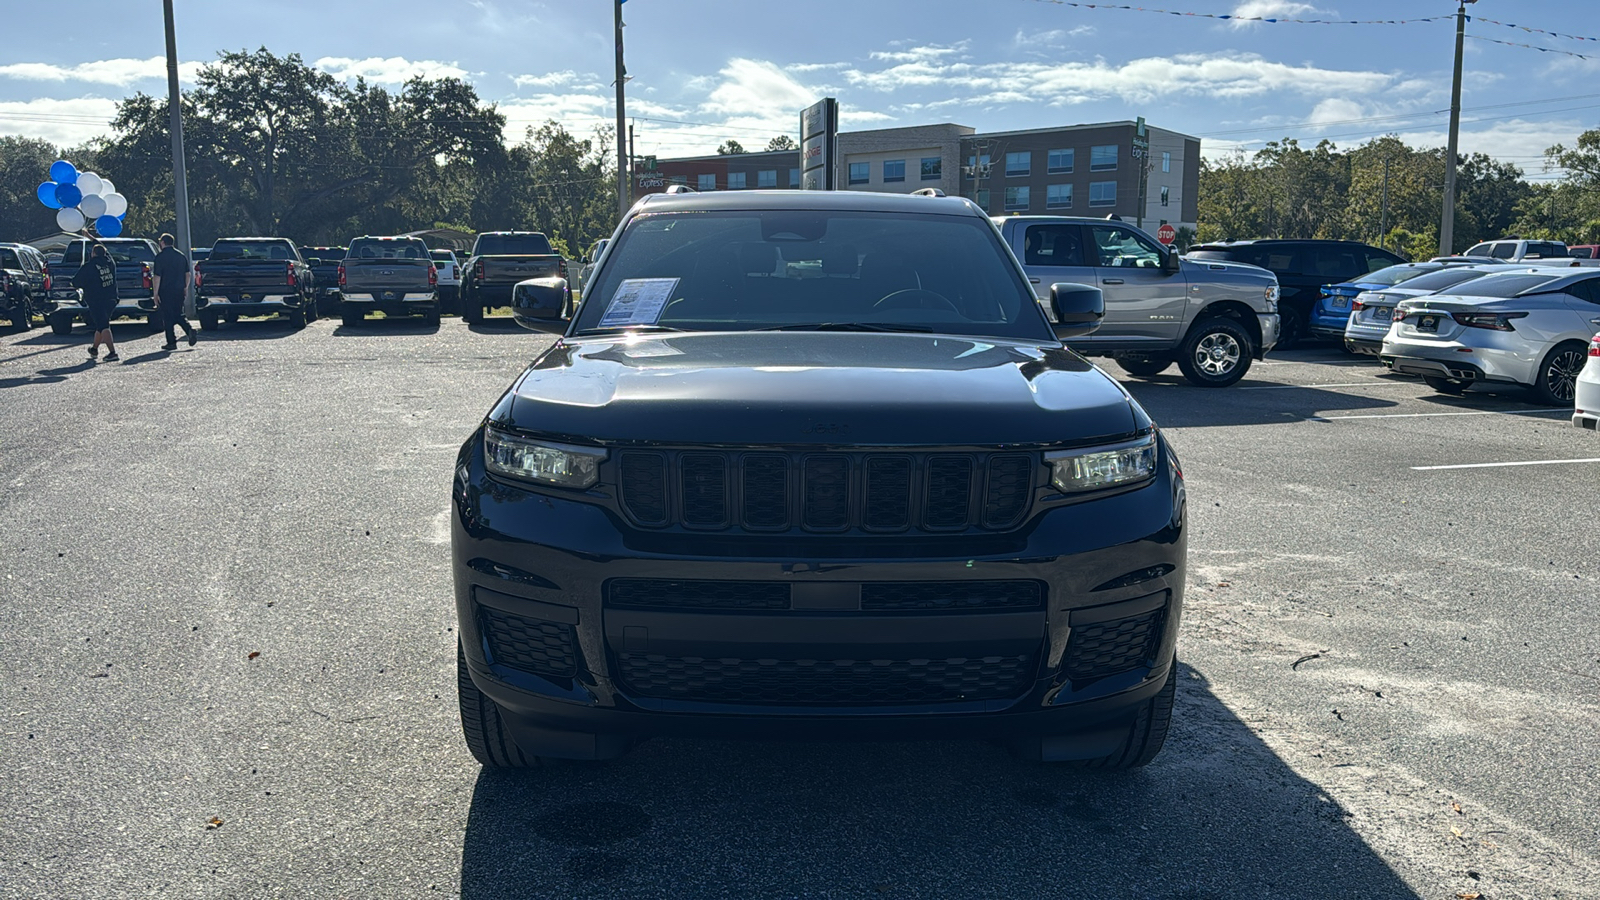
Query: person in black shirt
[
  {"x": 97, "y": 278},
  {"x": 172, "y": 282}
]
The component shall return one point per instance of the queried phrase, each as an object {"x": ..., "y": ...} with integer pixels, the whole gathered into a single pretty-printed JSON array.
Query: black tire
[
  {"x": 312, "y": 313},
  {"x": 481, "y": 725},
  {"x": 471, "y": 309},
  {"x": 1452, "y": 386},
  {"x": 1215, "y": 353},
  {"x": 351, "y": 318},
  {"x": 231, "y": 318},
  {"x": 297, "y": 318},
  {"x": 1149, "y": 731},
  {"x": 60, "y": 324},
  {"x": 1144, "y": 366},
  {"x": 1293, "y": 324},
  {"x": 1557, "y": 380},
  {"x": 22, "y": 316},
  {"x": 208, "y": 320},
  {"x": 431, "y": 317}
]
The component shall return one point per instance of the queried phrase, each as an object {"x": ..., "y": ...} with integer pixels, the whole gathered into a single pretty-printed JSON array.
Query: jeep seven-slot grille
[{"x": 880, "y": 491}]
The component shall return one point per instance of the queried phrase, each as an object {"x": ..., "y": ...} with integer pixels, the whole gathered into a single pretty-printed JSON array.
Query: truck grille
[
  {"x": 825, "y": 682},
  {"x": 880, "y": 491}
]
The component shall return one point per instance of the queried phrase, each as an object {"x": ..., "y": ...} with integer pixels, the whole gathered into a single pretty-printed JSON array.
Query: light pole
[
  {"x": 1447, "y": 224},
  {"x": 180, "y": 179},
  {"x": 622, "y": 149}
]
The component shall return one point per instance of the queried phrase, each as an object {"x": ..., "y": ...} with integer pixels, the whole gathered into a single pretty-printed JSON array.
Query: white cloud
[
  {"x": 548, "y": 80},
  {"x": 930, "y": 53},
  {"x": 1335, "y": 110},
  {"x": 65, "y": 123},
  {"x": 1269, "y": 9},
  {"x": 1038, "y": 40},
  {"x": 119, "y": 72},
  {"x": 391, "y": 70}
]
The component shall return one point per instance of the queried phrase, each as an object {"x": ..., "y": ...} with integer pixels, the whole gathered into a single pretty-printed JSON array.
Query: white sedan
[{"x": 1586, "y": 412}]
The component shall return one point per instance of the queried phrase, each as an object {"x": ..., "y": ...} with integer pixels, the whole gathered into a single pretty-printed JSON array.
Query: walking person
[
  {"x": 171, "y": 272},
  {"x": 97, "y": 278}
]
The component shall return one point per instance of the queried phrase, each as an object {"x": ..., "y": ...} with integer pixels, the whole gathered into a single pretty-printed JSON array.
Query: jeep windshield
[{"x": 746, "y": 270}]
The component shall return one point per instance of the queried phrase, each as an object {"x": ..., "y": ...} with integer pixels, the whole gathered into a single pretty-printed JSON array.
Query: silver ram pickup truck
[{"x": 1211, "y": 318}]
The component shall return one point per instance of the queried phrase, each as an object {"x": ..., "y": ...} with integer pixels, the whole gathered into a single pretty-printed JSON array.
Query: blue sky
[{"x": 704, "y": 71}]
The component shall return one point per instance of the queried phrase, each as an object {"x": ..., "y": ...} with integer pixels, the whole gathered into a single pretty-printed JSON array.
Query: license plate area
[
  {"x": 1383, "y": 313},
  {"x": 1428, "y": 324}
]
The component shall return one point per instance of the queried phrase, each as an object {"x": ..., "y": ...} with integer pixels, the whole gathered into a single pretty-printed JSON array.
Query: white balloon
[
  {"x": 90, "y": 184},
  {"x": 93, "y": 206},
  {"x": 69, "y": 220},
  {"x": 106, "y": 187},
  {"x": 116, "y": 204}
]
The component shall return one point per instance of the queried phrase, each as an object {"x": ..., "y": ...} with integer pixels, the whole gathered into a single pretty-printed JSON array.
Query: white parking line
[
  {"x": 1483, "y": 412},
  {"x": 1535, "y": 462}
]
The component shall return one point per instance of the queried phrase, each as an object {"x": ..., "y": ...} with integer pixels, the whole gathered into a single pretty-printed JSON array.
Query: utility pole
[
  {"x": 622, "y": 150},
  {"x": 1447, "y": 225},
  {"x": 180, "y": 178},
  {"x": 1383, "y": 220}
]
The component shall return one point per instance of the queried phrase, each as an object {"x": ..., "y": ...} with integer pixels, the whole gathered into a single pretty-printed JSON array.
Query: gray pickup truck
[
  {"x": 136, "y": 297},
  {"x": 1212, "y": 319},
  {"x": 391, "y": 274}
]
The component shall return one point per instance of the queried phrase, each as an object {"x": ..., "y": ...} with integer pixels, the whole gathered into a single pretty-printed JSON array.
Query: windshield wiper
[{"x": 848, "y": 326}]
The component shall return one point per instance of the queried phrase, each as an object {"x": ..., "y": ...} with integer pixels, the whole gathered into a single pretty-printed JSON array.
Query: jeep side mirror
[
  {"x": 1171, "y": 263},
  {"x": 540, "y": 304},
  {"x": 1078, "y": 308}
]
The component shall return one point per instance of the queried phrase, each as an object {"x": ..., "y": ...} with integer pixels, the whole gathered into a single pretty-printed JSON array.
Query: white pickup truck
[
  {"x": 1211, "y": 318},
  {"x": 449, "y": 269}
]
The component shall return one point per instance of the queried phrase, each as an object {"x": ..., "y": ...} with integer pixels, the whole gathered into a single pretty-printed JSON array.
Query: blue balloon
[
  {"x": 47, "y": 195},
  {"x": 108, "y": 226},
  {"x": 68, "y": 195},
  {"x": 63, "y": 172}
]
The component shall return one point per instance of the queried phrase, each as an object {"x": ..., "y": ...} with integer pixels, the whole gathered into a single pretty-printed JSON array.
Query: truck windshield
[
  {"x": 9, "y": 260},
  {"x": 222, "y": 250},
  {"x": 121, "y": 251},
  {"x": 743, "y": 270},
  {"x": 512, "y": 245},
  {"x": 326, "y": 254},
  {"x": 387, "y": 248},
  {"x": 442, "y": 256}
]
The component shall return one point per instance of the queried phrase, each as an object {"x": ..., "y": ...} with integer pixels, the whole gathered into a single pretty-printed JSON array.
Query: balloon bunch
[{"x": 83, "y": 197}]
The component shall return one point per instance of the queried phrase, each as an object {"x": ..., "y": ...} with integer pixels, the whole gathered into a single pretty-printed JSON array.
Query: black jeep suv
[{"x": 812, "y": 464}]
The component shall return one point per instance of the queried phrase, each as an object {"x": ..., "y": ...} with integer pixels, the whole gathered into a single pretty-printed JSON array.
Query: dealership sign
[{"x": 819, "y": 130}]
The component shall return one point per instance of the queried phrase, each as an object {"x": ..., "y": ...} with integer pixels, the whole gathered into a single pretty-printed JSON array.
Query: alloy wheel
[
  {"x": 1562, "y": 374},
  {"x": 1217, "y": 354}
]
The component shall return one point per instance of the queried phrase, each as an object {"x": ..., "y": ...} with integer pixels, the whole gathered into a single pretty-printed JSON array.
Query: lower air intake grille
[
  {"x": 648, "y": 593},
  {"x": 1106, "y": 648},
  {"x": 825, "y": 682},
  {"x": 951, "y": 596},
  {"x": 531, "y": 645}
]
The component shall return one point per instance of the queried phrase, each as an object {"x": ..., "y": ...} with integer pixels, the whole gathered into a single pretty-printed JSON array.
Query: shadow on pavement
[
  {"x": 386, "y": 328},
  {"x": 1174, "y": 403},
  {"x": 1217, "y": 816},
  {"x": 268, "y": 329},
  {"x": 496, "y": 325}
]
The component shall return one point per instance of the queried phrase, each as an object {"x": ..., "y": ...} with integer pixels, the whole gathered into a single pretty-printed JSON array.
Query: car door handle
[
  {"x": 1033, "y": 281},
  {"x": 1111, "y": 281},
  {"x": 1594, "y": 321}
]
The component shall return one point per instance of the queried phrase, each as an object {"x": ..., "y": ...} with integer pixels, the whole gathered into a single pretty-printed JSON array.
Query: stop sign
[{"x": 1166, "y": 234}]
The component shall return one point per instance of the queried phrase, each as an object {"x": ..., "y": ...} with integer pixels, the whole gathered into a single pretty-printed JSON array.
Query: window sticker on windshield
[{"x": 638, "y": 301}]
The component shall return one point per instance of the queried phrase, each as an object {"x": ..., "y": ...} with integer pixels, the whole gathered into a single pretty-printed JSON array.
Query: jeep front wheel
[{"x": 1215, "y": 352}]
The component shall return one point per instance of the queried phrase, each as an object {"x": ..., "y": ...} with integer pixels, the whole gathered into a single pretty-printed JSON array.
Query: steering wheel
[{"x": 915, "y": 298}]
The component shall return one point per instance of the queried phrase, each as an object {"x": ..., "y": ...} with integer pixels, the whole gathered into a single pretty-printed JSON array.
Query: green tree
[
  {"x": 782, "y": 142},
  {"x": 24, "y": 165},
  {"x": 730, "y": 147}
]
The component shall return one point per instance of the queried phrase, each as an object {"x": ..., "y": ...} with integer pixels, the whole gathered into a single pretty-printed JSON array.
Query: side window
[
  {"x": 1123, "y": 249},
  {"x": 1336, "y": 264},
  {"x": 1588, "y": 289},
  {"x": 1376, "y": 261},
  {"x": 1503, "y": 250},
  {"x": 1479, "y": 250},
  {"x": 1053, "y": 245}
]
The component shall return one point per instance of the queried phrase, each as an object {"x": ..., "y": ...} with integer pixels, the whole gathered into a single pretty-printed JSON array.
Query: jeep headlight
[
  {"x": 544, "y": 462},
  {"x": 1074, "y": 471}
]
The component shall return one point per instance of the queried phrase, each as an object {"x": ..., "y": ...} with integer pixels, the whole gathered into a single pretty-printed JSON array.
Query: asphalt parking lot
[{"x": 228, "y": 666}]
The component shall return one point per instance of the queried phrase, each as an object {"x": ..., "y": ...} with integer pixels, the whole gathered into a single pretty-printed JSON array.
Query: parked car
[
  {"x": 1212, "y": 318},
  {"x": 1331, "y": 313},
  {"x": 1583, "y": 251},
  {"x": 1527, "y": 326},
  {"x": 501, "y": 259},
  {"x": 1517, "y": 250},
  {"x": 1586, "y": 398},
  {"x": 254, "y": 276},
  {"x": 24, "y": 284},
  {"x": 199, "y": 254},
  {"x": 389, "y": 274},
  {"x": 1302, "y": 267},
  {"x": 589, "y": 261},
  {"x": 449, "y": 269},
  {"x": 1372, "y": 312},
  {"x": 136, "y": 297},
  {"x": 763, "y": 487},
  {"x": 324, "y": 263}
]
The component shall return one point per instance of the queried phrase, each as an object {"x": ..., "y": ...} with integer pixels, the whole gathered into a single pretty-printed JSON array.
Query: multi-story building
[{"x": 1079, "y": 170}]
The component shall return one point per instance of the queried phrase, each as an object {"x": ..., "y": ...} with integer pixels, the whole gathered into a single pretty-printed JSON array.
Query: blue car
[{"x": 1331, "y": 312}]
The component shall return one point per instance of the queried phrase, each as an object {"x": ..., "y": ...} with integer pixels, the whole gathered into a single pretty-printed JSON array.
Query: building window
[
  {"x": 1016, "y": 198},
  {"x": 1019, "y": 163},
  {"x": 860, "y": 173},
  {"x": 736, "y": 181},
  {"x": 894, "y": 170},
  {"x": 979, "y": 161},
  {"x": 1102, "y": 193},
  {"x": 983, "y": 199},
  {"x": 1166, "y": 195},
  {"x": 708, "y": 183},
  {"x": 1058, "y": 196},
  {"x": 932, "y": 168},
  {"x": 767, "y": 178},
  {"x": 1103, "y": 158},
  {"x": 794, "y": 177},
  {"x": 1060, "y": 162},
  {"x": 1166, "y": 162}
]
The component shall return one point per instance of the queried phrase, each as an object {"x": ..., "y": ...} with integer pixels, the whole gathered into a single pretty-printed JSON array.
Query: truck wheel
[
  {"x": 1215, "y": 352},
  {"x": 60, "y": 324},
  {"x": 1144, "y": 366},
  {"x": 481, "y": 724},
  {"x": 1443, "y": 385},
  {"x": 312, "y": 313},
  {"x": 1149, "y": 731},
  {"x": 352, "y": 318},
  {"x": 1292, "y": 325},
  {"x": 471, "y": 310},
  {"x": 431, "y": 317},
  {"x": 297, "y": 319},
  {"x": 1557, "y": 381},
  {"x": 208, "y": 320}
]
